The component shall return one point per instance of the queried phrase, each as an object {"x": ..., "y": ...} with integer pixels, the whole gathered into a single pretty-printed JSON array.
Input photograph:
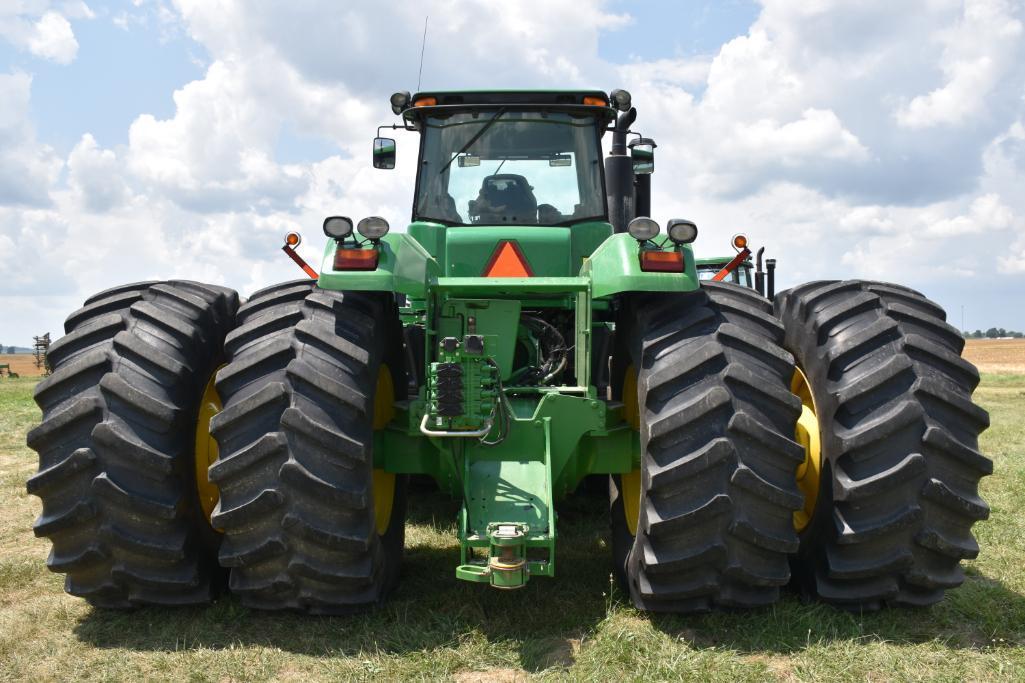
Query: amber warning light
[
  {"x": 356, "y": 259},
  {"x": 293, "y": 240},
  {"x": 740, "y": 245},
  {"x": 661, "y": 261}
]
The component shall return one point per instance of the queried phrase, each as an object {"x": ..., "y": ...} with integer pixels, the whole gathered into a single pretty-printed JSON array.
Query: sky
[{"x": 158, "y": 139}]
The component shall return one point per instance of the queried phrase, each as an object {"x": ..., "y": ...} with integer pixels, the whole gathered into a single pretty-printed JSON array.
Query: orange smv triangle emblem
[{"x": 508, "y": 261}]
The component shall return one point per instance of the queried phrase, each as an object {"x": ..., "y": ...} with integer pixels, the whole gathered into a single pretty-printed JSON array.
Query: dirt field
[
  {"x": 997, "y": 355},
  {"x": 22, "y": 363}
]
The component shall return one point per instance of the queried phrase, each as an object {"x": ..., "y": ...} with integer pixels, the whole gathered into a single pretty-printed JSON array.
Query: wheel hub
[
  {"x": 206, "y": 451},
  {"x": 808, "y": 435}
]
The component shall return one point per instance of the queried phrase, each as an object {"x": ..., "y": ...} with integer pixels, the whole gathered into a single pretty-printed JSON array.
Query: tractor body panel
[{"x": 494, "y": 420}]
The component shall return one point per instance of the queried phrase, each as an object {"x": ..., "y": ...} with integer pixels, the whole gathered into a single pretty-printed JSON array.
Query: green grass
[{"x": 577, "y": 626}]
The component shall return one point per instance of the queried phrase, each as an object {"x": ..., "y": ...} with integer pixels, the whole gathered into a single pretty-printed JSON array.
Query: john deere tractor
[{"x": 530, "y": 327}]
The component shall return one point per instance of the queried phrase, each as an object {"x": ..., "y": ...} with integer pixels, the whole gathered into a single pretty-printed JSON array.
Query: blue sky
[
  {"x": 181, "y": 138},
  {"x": 117, "y": 75},
  {"x": 662, "y": 29}
]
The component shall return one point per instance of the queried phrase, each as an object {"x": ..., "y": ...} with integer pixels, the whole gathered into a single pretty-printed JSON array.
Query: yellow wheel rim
[
  {"x": 384, "y": 482},
  {"x": 808, "y": 435},
  {"x": 631, "y": 481},
  {"x": 206, "y": 451}
]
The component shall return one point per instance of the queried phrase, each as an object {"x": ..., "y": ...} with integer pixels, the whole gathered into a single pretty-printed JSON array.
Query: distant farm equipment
[{"x": 41, "y": 353}]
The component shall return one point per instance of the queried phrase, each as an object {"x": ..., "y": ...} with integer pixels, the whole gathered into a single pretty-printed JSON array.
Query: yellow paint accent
[
  {"x": 630, "y": 482},
  {"x": 206, "y": 451},
  {"x": 808, "y": 435},
  {"x": 384, "y": 482}
]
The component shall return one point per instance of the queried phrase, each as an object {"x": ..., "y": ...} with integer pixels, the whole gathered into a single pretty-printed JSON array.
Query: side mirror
[
  {"x": 642, "y": 152},
  {"x": 384, "y": 153}
]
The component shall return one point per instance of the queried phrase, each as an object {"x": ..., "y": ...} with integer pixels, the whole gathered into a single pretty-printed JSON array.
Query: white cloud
[
  {"x": 986, "y": 214},
  {"x": 44, "y": 32},
  {"x": 216, "y": 152},
  {"x": 27, "y": 169},
  {"x": 53, "y": 39},
  {"x": 1013, "y": 262},
  {"x": 96, "y": 177},
  {"x": 861, "y": 221},
  {"x": 823, "y": 131},
  {"x": 689, "y": 72},
  {"x": 76, "y": 9},
  {"x": 977, "y": 53}
]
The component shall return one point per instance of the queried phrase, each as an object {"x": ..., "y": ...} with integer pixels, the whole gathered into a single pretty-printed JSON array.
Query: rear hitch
[{"x": 507, "y": 558}]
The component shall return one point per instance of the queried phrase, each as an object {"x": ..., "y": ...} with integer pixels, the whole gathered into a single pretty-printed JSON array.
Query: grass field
[{"x": 577, "y": 626}]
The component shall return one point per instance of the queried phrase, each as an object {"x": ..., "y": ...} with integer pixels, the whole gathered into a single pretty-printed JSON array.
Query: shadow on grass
[
  {"x": 431, "y": 611},
  {"x": 982, "y": 613}
]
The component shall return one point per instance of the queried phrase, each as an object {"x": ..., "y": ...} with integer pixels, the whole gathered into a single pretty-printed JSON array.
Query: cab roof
[
  {"x": 471, "y": 99},
  {"x": 511, "y": 96}
]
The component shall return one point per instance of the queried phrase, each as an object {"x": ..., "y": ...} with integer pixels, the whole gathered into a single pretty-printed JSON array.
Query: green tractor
[
  {"x": 739, "y": 269},
  {"x": 531, "y": 327}
]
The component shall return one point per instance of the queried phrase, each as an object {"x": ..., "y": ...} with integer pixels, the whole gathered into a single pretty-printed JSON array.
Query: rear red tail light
[
  {"x": 356, "y": 259},
  {"x": 662, "y": 261}
]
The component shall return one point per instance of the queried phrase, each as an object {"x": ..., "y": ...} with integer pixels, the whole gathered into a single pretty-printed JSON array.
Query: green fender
[
  {"x": 407, "y": 268},
  {"x": 615, "y": 267},
  {"x": 404, "y": 266}
]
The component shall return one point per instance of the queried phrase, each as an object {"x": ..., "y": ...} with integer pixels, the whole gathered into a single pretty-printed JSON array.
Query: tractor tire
[
  {"x": 117, "y": 444},
  {"x": 298, "y": 499},
  {"x": 716, "y": 418},
  {"x": 900, "y": 465}
]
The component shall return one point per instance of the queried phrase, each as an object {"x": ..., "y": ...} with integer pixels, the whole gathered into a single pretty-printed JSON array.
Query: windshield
[
  {"x": 741, "y": 275},
  {"x": 525, "y": 167}
]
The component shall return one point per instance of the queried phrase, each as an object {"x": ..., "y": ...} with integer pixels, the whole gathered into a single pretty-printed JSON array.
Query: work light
[
  {"x": 399, "y": 101},
  {"x": 682, "y": 231},
  {"x": 642, "y": 229},
  {"x": 620, "y": 99},
  {"x": 338, "y": 227},
  {"x": 373, "y": 227}
]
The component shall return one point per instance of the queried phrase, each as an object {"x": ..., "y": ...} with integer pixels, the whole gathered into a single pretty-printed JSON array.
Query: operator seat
[{"x": 506, "y": 198}]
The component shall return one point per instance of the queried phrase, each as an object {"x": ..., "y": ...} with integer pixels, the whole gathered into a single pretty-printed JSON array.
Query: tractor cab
[
  {"x": 520, "y": 166},
  {"x": 503, "y": 167},
  {"x": 506, "y": 158}
]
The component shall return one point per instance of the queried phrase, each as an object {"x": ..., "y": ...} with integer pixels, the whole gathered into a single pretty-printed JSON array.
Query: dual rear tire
[
  {"x": 308, "y": 523},
  {"x": 116, "y": 448},
  {"x": 900, "y": 465},
  {"x": 707, "y": 380},
  {"x": 874, "y": 507},
  {"x": 303, "y": 519},
  {"x": 305, "y": 522}
]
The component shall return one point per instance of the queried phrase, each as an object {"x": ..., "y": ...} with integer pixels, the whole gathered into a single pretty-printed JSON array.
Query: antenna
[{"x": 423, "y": 46}]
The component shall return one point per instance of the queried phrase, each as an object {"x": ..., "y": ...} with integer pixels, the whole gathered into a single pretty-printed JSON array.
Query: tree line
[{"x": 993, "y": 333}]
